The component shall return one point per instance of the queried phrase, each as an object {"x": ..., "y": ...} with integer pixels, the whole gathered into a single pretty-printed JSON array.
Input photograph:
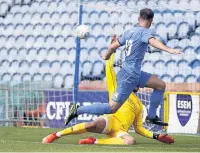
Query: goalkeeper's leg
[
  {"x": 123, "y": 140},
  {"x": 96, "y": 126}
]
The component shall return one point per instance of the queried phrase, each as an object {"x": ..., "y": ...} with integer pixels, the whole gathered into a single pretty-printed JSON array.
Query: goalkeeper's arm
[
  {"x": 138, "y": 126},
  {"x": 112, "y": 48}
]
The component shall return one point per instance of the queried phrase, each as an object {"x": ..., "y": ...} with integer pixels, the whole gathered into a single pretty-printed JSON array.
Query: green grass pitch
[{"x": 29, "y": 140}]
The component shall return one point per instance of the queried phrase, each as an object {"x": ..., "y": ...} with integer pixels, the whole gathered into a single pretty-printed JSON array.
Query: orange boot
[
  {"x": 89, "y": 140},
  {"x": 50, "y": 138}
]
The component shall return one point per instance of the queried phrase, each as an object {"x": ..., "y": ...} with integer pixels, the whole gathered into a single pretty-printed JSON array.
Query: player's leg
[
  {"x": 108, "y": 125},
  {"x": 115, "y": 136},
  {"x": 125, "y": 82},
  {"x": 97, "y": 108},
  {"x": 125, "y": 85},
  {"x": 96, "y": 126},
  {"x": 123, "y": 140},
  {"x": 152, "y": 81},
  {"x": 114, "y": 103},
  {"x": 156, "y": 98},
  {"x": 129, "y": 140}
]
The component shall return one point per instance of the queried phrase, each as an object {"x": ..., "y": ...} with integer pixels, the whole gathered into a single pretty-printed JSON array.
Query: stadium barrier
[
  {"x": 181, "y": 107},
  {"x": 57, "y": 108},
  {"x": 30, "y": 105},
  {"x": 182, "y": 112},
  {"x": 101, "y": 85}
]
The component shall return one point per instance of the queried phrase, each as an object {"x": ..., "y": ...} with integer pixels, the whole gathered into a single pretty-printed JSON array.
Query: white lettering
[
  {"x": 184, "y": 104},
  {"x": 59, "y": 109},
  {"x": 55, "y": 110},
  {"x": 67, "y": 108},
  {"x": 179, "y": 104},
  {"x": 48, "y": 110},
  {"x": 128, "y": 47}
]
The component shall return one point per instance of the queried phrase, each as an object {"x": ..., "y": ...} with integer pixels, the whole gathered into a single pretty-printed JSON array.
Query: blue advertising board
[{"x": 58, "y": 104}]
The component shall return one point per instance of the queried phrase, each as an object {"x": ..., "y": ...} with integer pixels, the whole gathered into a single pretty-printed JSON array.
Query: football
[{"x": 82, "y": 31}]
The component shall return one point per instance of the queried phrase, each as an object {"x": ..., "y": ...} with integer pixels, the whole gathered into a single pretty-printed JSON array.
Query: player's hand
[
  {"x": 174, "y": 51},
  {"x": 164, "y": 138},
  {"x": 114, "y": 38},
  {"x": 105, "y": 56}
]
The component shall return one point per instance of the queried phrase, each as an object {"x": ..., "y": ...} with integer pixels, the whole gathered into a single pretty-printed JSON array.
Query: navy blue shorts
[{"x": 126, "y": 83}]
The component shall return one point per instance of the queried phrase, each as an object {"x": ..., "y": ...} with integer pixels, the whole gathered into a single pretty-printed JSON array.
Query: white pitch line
[{"x": 104, "y": 146}]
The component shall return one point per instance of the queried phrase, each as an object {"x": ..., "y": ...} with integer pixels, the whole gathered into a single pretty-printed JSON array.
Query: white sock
[{"x": 58, "y": 134}]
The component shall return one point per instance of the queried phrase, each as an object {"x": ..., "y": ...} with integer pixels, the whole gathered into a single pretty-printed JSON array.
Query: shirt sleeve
[
  {"x": 122, "y": 39},
  {"x": 146, "y": 36},
  {"x": 138, "y": 125}
]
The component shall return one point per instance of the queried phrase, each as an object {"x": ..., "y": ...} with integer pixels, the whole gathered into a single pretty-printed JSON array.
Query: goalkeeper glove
[{"x": 164, "y": 138}]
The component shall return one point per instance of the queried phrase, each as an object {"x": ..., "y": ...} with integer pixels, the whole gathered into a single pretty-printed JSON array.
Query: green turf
[{"x": 28, "y": 140}]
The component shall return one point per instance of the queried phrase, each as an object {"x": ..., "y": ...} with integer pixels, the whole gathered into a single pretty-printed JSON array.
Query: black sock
[{"x": 155, "y": 135}]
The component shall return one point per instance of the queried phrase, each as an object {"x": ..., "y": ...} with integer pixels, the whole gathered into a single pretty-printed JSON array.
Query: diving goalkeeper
[{"x": 116, "y": 125}]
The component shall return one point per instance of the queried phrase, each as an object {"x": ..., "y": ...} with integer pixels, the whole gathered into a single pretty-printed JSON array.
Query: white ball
[{"x": 82, "y": 31}]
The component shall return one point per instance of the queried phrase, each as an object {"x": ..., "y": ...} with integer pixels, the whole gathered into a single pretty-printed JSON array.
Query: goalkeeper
[
  {"x": 130, "y": 76},
  {"x": 116, "y": 125}
]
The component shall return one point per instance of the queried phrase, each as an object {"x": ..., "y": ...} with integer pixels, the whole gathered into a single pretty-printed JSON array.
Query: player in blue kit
[{"x": 136, "y": 42}]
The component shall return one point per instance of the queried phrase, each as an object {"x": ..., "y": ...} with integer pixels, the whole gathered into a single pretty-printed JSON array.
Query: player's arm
[
  {"x": 158, "y": 44},
  {"x": 110, "y": 73},
  {"x": 112, "y": 48},
  {"x": 138, "y": 126},
  {"x": 116, "y": 43}
]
